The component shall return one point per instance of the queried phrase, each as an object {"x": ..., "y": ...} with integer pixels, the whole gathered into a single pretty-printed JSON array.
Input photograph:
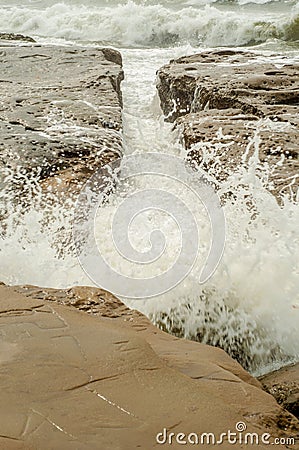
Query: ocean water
[
  {"x": 155, "y": 24},
  {"x": 250, "y": 305}
]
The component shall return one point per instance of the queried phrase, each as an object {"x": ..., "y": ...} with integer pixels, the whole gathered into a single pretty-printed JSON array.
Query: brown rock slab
[
  {"x": 223, "y": 79},
  {"x": 220, "y": 99},
  {"x": 60, "y": 111},
  {"x": 73, "y": 380},
  {"x": 229, "y": 134},
  {"x": 98, "y": 302},
  {"x": 283, "y": 384}
]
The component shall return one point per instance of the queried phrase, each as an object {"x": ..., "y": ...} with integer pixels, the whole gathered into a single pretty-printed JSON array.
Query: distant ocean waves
[{"x": 134, "y": 25}]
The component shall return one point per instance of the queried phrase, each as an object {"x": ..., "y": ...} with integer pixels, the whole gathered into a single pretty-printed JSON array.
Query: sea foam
[
  {"x": 133, "y": 24},
  {"x": 248, "y": 307}
]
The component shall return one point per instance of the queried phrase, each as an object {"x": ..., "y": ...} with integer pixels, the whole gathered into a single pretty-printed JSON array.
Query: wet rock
[
  {"x": 283, "y": 384},
  {"x": 229, "y": 79},
  {"x": 60, "y": 111},
  {"x": 223, "y": 140},
  {"x": 221, "y": 98},
  {"x": 15, "y": 37},
  {"x": 92, "y": 381}
]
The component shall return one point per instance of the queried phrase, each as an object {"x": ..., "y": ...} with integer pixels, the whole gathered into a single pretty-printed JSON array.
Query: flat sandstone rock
[{"x": 71, "y": 380}]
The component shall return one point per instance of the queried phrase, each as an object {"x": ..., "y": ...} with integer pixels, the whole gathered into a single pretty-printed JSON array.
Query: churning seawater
[{"x": 250, "y": 306}]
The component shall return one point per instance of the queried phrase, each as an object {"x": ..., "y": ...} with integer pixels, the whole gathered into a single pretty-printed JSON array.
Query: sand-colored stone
[{"x": 71, "y": 380}]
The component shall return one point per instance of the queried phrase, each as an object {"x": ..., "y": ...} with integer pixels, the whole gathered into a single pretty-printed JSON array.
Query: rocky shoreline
[
  {"x": 236, "y": 92},
  {"x": 79, "y": 370},
  {"x": 60, "y": 114}
]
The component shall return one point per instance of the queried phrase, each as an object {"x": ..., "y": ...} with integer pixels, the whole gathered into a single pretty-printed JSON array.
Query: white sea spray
[
  {"x": 149, "y": 24},
  {"x": 248, "y": 307}
]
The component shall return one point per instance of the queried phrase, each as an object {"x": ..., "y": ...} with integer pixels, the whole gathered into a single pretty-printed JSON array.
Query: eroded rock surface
[
  {"x": 222, "y": 140},
  {"x": 220, "y": 99},
  {"x": 229, "y": 79},
  {"x": 111, "y": 380},
  {"x": 60, "y": 111}
]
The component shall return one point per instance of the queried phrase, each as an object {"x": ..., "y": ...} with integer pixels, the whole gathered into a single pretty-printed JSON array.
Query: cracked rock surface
[
  {"x": 111, "y": 380},
  {"x": 220, "y": 98},
  {"x": 60, "y": 111}
]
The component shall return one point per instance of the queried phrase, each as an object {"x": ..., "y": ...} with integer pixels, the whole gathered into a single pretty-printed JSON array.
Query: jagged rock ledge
[
  {"x": 283, "y": 384},
  {"x": 110, "y": 379},
  {"x": 60, "y": 111},
  {"x": 230, "y": 91}
]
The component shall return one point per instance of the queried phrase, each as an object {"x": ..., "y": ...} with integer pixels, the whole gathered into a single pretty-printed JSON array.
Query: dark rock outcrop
[
  {"x": 15, "y": 37},
  {"x": 60, "y": 111},
  {"x": 283, "y": 384},
  {"x": 231, "y": 91}
]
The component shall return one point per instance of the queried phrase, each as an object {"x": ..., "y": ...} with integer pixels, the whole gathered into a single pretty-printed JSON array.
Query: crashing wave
[{"x": 132, "y": 24}]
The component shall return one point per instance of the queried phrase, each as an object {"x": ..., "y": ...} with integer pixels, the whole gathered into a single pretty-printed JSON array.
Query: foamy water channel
[{"x": 249, "y": 307}]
